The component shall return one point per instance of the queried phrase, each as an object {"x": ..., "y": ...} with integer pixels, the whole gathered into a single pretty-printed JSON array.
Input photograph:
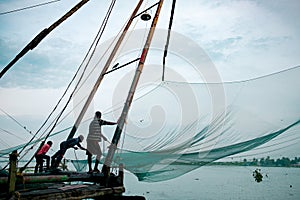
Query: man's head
[
  {"x": 81, "y": 138},
  {"x": 49, "y": 143},
  {"x": 98, "y": 114}
]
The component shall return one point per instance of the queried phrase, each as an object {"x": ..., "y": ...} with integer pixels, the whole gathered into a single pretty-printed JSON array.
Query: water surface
[{"x": 222, "y": 182}]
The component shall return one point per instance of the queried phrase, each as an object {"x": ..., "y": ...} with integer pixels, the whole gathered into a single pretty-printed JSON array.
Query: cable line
[
  {"x": 96, "y": 40},
  {"x": 29, "y": 7},
  {"x": 16, "y": 121},
  {"x": 168, "y": 39}
]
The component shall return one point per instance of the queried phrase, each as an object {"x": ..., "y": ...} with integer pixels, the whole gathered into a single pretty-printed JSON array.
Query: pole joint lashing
[
  {"x": 116, "y": 66},
  {"x": 146, "y": 10}
]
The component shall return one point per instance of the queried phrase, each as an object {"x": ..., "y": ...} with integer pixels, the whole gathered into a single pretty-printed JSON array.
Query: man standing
[
  {"x": 64, "y": 146},
  {"x": 94, "y": 137},
  {"x": 41, "y": 155}
]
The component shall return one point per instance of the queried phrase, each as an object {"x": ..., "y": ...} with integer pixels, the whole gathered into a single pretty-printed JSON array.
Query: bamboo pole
[
  {"x": 118, "y": 131},
  {"x": 31, "y": 45},
  {"x": 108, "y": 63},
  {"x": 121, "y": 173}
]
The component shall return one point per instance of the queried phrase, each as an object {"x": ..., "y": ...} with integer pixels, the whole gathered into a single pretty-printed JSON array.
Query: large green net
[
  {"x": 168, "y": 135},
  {"x": 161, "y": 142}
]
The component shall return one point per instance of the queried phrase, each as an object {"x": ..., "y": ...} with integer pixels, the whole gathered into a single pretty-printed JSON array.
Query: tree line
[
  {"x": 269, "y": 162},
  {"x": 265, "y": 162}
]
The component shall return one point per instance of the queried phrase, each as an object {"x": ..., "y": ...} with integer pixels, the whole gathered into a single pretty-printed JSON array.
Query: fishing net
[
  {"x": 80, "y": 165},
  {"x": 169, "y": 134},
  {"x": 163, "y": 142}
]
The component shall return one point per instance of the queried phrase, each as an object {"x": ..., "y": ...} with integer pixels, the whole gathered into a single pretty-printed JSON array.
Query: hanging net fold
[{"x": 176, "y": 127}]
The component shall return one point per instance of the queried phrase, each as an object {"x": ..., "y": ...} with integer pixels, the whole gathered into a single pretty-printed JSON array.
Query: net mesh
[
  {"x": 166, "y": 142},
  {"x": 174, "y": 128}
]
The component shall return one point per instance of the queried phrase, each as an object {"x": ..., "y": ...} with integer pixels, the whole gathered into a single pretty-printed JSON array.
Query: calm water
[{"x": 222, "y": 182}]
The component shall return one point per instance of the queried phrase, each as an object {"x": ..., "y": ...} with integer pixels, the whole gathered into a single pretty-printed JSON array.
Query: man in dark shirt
[{"x": 64, "y": 146}]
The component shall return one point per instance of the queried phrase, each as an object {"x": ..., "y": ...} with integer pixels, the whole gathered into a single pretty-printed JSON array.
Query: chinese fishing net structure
[{"x": 175, "y": 126}]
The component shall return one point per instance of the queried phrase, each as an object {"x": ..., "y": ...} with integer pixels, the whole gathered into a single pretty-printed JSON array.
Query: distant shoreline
[{"x": 263, "y": 162}]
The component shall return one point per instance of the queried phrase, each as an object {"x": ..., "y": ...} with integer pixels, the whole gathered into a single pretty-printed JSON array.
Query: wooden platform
[
  {"x": 61, "y": 176},
  {"x": 57, "y": 184},
  {"x": 65, "y": 185},
  {"x": 70, "y": 192},
  {"x": 58, "y": 191}
]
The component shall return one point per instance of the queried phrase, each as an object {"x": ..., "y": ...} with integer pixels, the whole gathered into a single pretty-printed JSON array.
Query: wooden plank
[
  {"x": 70, "y": 187},
  {"x": 78, "y": 191},
  {"x": 52, "y": 178}
]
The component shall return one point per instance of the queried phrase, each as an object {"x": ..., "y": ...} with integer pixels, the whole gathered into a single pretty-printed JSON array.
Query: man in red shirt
[{"x": 41, "y": 155}]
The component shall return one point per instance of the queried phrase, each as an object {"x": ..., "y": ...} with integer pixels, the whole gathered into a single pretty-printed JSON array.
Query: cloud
[
  {"x": 54, "y": 61},
  {"x": 38, "y": 69},
  {"x": 30, "y": 101},
  {"x": 244, "y": 38}
]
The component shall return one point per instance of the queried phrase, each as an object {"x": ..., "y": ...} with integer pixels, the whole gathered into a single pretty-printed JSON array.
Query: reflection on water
[{"x": 222, "y": 182}]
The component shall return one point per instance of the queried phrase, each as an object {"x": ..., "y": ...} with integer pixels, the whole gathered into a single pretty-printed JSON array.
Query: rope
[
  {"x": 120, "y": 150},
  {"x": 95, "y": 44},
  {"x": 10, "y": 133},
  {"x": 168, "y": 39},
  {"x": 92, "y": 70},
  {"x": 24, "y": 127},
  {"x": 96, "y": 40},
  {"x": 29, "y": 7}
]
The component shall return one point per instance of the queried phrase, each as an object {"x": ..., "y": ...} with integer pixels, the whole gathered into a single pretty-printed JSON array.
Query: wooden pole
[
  {"x": 108, "y": 63},
  {"x": 168, "y": 40},
  {"x": 121, "y": 174},
  {"x": 31, "y": 45},
  {"x": 12, "y": 172},
  {"x": 118, "y": 131}
]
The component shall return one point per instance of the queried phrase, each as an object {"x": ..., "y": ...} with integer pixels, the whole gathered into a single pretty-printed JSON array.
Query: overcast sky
[{"x": 244, "y": 39}]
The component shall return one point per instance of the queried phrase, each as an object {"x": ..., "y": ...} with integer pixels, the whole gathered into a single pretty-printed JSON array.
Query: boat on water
[{"x": 165, "y": 128}]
